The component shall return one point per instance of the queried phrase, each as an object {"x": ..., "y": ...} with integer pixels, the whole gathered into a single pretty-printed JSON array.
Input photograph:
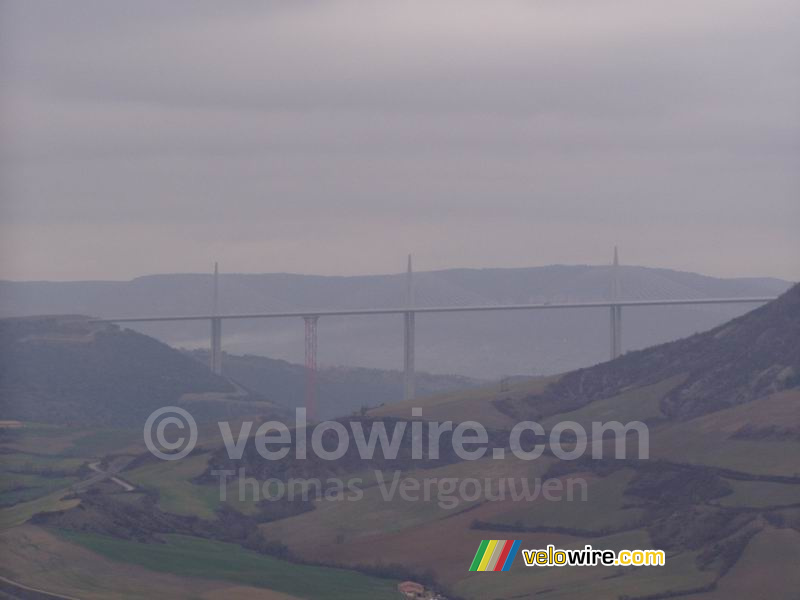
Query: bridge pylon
[
  {"x": 615, "y": 310},
  {"x": 311, "y": 365},
  {"x": 216, "y": 328},
  {"x": 409, "y": 383}
]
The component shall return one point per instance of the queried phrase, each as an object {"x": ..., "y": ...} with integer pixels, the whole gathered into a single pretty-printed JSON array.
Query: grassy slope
[
  {"x": 603, "y": 510},
  {"x": 638, "y": 404},
  {"x": 39, "y": 459},
  {"x": 761, "y": 494},
  {"x": 185, "y": 557},
  {"x": 708, "y": 440},
  {"x": 703, "y": 440},
  {"x": 372, "y": 515},
  {"x": 195, "y": 557},
  {"x": 37, "y": 472},
  {"x": 16, "y": 488},
  {"x": 176, "y": 493},
  {"x": 767, "y": 569},
  {"x": 20, "y": 513},
  {"x": 373, "y": 529},
  {"x": 33, "y": 463},
  {"x": 35, "y": 557},
  {"x": 475, "y": 404}
]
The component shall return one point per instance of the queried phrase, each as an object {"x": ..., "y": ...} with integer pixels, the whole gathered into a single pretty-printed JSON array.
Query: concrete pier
[
  {"x": 216, "y": 328},
  {"x": 616, "y": 310},
  {"x": 408, "y": 338}
]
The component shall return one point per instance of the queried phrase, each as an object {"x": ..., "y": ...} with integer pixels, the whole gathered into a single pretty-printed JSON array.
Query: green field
[
  {"x": 638, "y": 404},
  {"x": 693, "y": 444},
  {"x": 373, "y": 514},
  {"x": 473, "y": 404},
  {"x": 767, "y": 569},
  {"x": 20, "y": 513},
  {"x": 95, "y": 444},
  {"x": 16, "y": 487},
  {"x": 33, "y": 463},
  {"x": 760, "y": 494},
  {"x": 710, "y": 439},
  {"x": 603, "y": 510},
  {"x": 176, "y": 493},
  {"x": 196, "y": 557}
]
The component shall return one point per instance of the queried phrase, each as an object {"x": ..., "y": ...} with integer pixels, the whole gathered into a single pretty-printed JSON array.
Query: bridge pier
[
  {"x": 616, "y": 331},
  {"x": 408, "y": 357},
  {"x": 409, "y": 375},
  {"x": 216, "y": 328},
  {"x": 409, "y": 311},
  {"x": 615, "y": 310},
  {"x": 216, "y": 345},
  {"x": 311, "y": 366}
]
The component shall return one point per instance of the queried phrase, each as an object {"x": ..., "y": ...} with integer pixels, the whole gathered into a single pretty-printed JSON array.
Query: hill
[
  {"x": 748, "y": 358},
  {"x": 486, "y": 346},
  {"x": 66, "y": 370},
  {"x": 720, "y": 493},
  {"x": 721, "y": 487},
  {"x": 340, "y": 390}
]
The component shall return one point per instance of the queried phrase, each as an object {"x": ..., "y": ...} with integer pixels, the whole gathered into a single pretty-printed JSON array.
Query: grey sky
[{"x": 336, "y": 136}]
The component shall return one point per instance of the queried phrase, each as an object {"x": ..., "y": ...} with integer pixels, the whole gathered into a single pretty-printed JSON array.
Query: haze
[{"x": 334, "y": 137}]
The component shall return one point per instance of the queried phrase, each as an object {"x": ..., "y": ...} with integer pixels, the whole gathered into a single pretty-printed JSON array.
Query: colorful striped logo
[{"x": 495, "y": 555}]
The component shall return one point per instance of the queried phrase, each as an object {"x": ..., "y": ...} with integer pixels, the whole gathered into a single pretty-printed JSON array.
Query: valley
[{"x": 720, "y": 491}]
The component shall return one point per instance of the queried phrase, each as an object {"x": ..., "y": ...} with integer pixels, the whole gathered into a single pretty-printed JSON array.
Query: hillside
[
  {"x": 720, "y": 493},
  {"x": 722, "y": 485},
  {"x": 340, "y": 390},
  {"x": 66, "y": 370},
  {"x": 750, "y": 357},
  {"x": 486, "y": 346}
]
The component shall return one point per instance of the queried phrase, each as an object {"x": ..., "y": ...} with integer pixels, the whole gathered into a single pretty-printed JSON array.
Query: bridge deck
[{"x": 437, "y": 309}]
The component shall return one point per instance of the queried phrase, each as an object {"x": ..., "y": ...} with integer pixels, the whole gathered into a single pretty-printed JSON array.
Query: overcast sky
[{"x": 334, "y": 137}]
